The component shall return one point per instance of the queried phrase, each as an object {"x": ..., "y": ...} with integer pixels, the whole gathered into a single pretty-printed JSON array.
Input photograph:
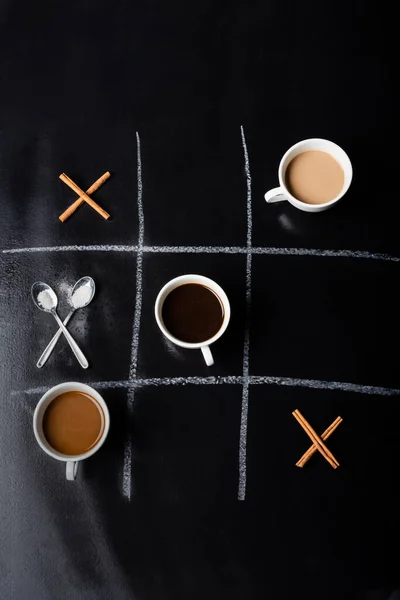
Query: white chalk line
[
  {"x": 316, "y": 252},
  {"x": 140, "y": 192},
  {"x": 246, "y": 345},
  {"x": 147, "y": 382},
  {"x": 320, "y": 252},
  {"x": 99, "y": 385},
  {"x": 249, "y": 218},
  {"x": 195, "y": 249},
  {"x": 127, "y": 466},
  {"x": 94, "y": 248},
  {"x": 139, "y": 268},
  {"x": 229, "y": 380},
  {"x": 245, "y": 390},
  {"x": 212, "y": 380},
  {"x": 325, "y": 385}
]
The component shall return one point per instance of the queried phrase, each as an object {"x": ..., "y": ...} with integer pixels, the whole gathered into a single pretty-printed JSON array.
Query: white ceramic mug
[
  {"x": 49, "y": 396},
  {"x": 282, "y": 193},
  {"x": 209, "y": 283}
]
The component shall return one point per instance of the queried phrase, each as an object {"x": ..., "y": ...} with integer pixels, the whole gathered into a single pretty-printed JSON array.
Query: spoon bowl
[
  {"x": 44, "y": 296},
  {"x": 82, "y": 293}
]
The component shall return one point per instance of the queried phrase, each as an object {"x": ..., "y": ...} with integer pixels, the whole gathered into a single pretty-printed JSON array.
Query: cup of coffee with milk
[
  {"x": 70, "y": 423},
  {"x": 313, "y": 175},
  {"x": 193, "y": 312}
]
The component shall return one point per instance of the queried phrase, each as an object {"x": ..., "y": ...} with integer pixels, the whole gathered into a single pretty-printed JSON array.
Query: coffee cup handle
[
  {"x": 275, "y": 195},
  {"x": 208, "y": 357},
  {"x": 72, "y": 469}
]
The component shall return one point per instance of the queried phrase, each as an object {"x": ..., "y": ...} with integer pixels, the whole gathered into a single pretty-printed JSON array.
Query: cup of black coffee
[{"x": 193, "y": 311}]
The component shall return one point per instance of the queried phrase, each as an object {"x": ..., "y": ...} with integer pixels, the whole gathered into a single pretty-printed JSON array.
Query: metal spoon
[
  {"x": 46, "y": 299},
  {"x": 76, "y": 300}
]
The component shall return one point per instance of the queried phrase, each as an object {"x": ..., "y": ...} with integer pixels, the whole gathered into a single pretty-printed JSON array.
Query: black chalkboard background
[{"x": 186, "y": 89}]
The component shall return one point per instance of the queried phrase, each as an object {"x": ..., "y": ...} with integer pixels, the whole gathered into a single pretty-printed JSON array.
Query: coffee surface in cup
[
  {"x": 314, "y": 177},
  {"x": 192, "y": 313},
  {"x": 73, "y": 423}
]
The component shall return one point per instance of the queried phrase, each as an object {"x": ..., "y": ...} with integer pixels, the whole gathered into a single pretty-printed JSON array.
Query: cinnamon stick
[
  {"x": 96, "y": 185},
  {"x": 313, "y": 449},
  {"x": 82, "y": 194},
  {"x": 326, "y": 453}
]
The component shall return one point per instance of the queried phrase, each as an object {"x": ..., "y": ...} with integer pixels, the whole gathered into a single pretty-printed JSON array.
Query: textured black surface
[{"x": 77, "y": 80}]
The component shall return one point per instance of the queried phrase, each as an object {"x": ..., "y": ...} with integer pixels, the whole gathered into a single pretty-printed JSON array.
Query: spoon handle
[
  {"x": 74, "y": 346},
  {"x": 51, "y": 345}
]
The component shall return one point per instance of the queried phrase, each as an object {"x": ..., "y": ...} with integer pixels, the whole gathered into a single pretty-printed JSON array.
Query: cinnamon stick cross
[
  {"x": 318, "y": 443},
  {"x": 84, "y": 196}
]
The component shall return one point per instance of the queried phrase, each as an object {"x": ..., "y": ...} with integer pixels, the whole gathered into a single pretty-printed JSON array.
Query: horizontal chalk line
[
  {"x": 100, "y": 385},
  {"x": 195, "y": 249},
  {"x": 232, "y": 380},
  {"x": 325, "y": 385},
  {"x": 96, "y": 248},
  {"x": 325, "y": 253},
  {"x": 317, "y": 252}
]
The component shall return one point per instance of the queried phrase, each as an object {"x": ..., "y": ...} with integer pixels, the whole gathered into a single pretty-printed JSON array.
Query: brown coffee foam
[
  {"x": 73, "y": 423},
  {"x": 314, "y": 177}
]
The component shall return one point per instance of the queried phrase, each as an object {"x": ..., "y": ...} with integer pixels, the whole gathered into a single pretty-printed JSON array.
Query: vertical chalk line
[
  {"x": 127, "y": 468},
  {"x": 139, "y": 267},
  {"x": 126, "y": 471},
  {"x": 246, "y": 345}
]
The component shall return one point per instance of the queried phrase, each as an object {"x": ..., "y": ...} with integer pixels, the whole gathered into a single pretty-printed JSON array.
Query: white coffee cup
[
  {"x": 46, "y": 399},
  {"x": 281, "y": 193},
  {"x": 209, "y": 283}
]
